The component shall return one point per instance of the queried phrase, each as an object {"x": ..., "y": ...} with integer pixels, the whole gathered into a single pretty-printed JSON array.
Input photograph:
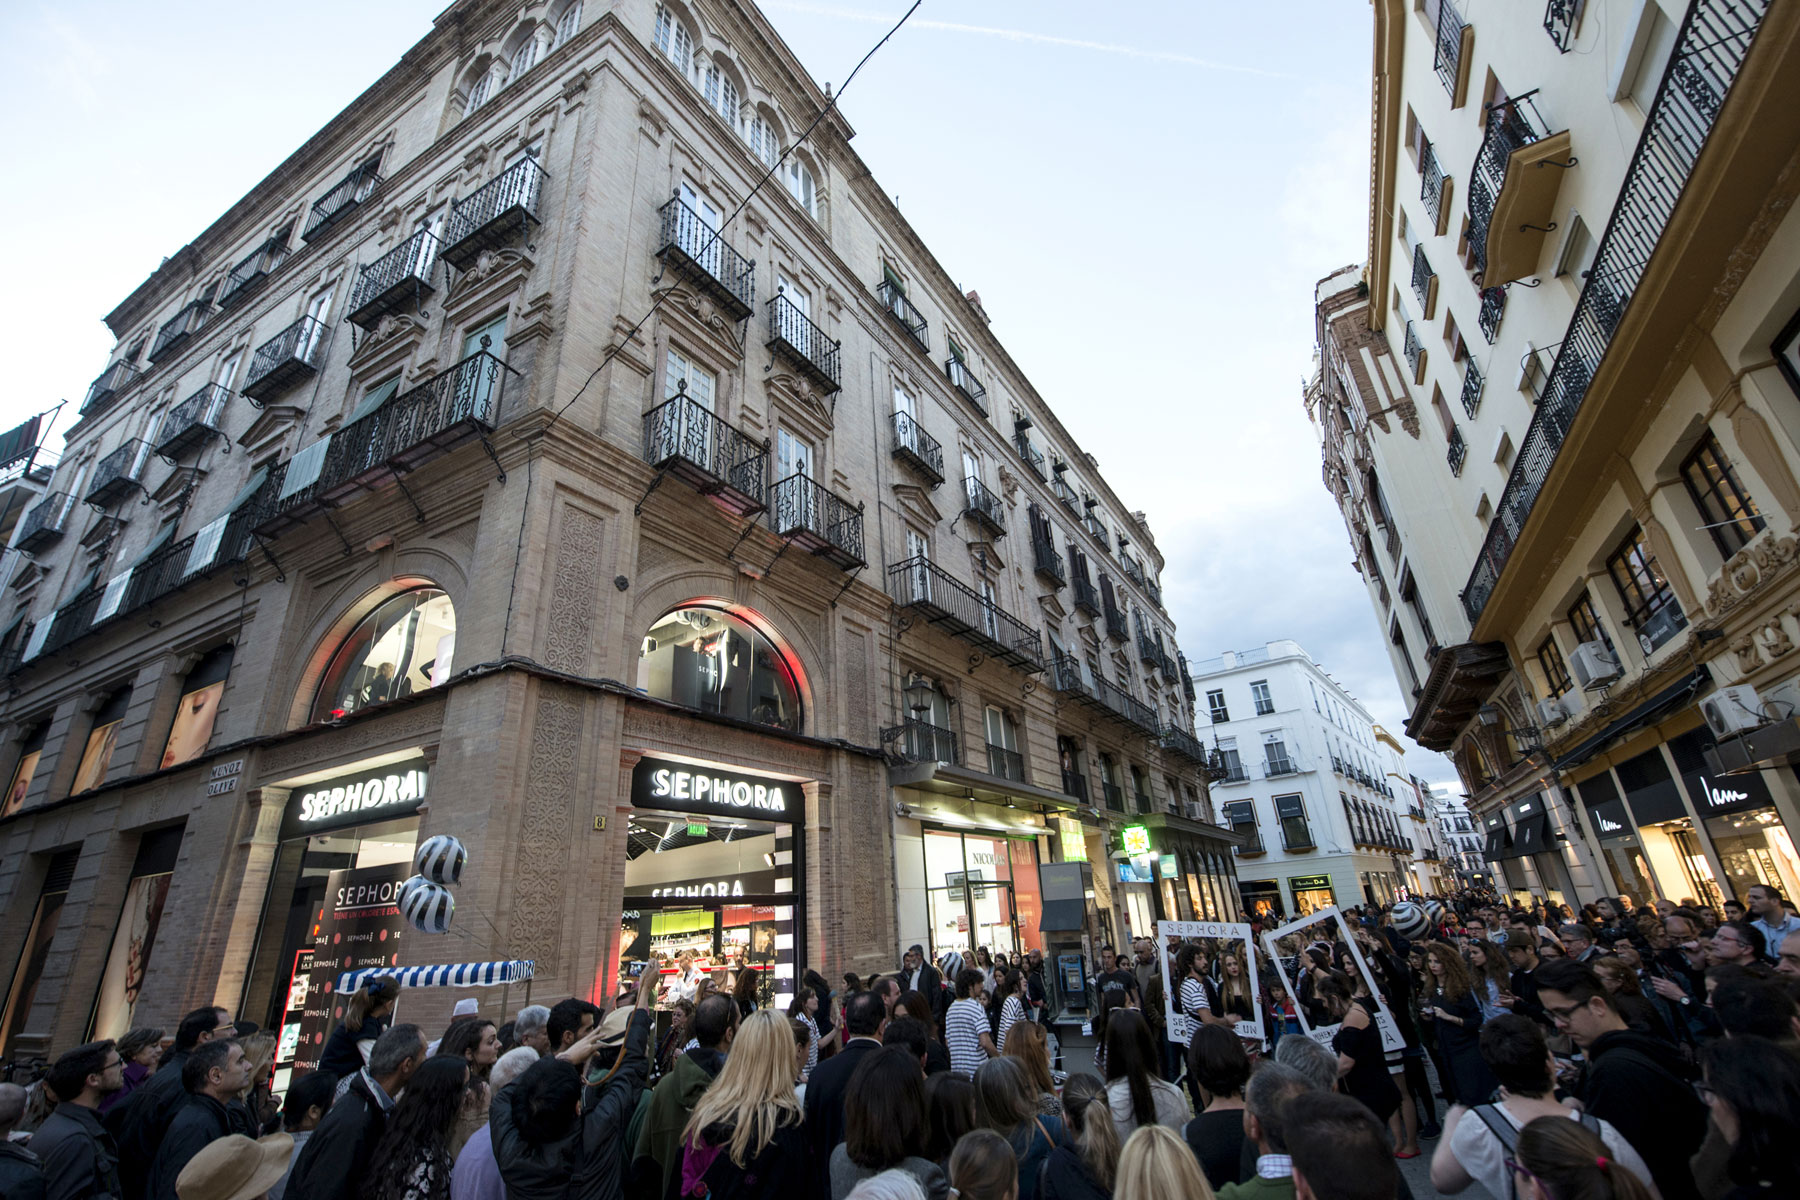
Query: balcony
[
  {"x": 1424, "y": 283},
  {"x": 918, "y": 449},
  {"x": 1471, "y": 388},
  {"x": 1235, "y": 773},
  {"x": 1253, "y": 843},
  {"x": 1065, "y": 676},
  {"x": 104, "y": 390},
  {"x": 1512, "y": 197},
  {"x": 1149, "y": 653},
  {"x": 1065, "y": 496},
  {"x": 176, "y": 331},
  {"x": 1297, "y": 839},
  {"x": 920, "y": 741},
  {"x": 395, "y": 282},
  {"x": 118, "y": 474},
  {"x": 1096, "y": 525},
  {"x": 698, "y": 253},
  {"x": 1126, "y": 707},
  {"x": 1560, "y": 19},
  {"x": 247, "y": 278},
  {"x": 284, "y": 361},
  {"x": 1170, "y": 672},
  {"x": 1115, "y": 796},
  {"x": 1116, "y": 628},
  {"x": 1414, "y": 352},
  {"x": 1434, "y": 189},
  {"x": 1457, "y": 453},
  {"x": 817, "y": 519},
  {"x": 803, "y": 344},
  {"x": 1007, "y": 764},
  {"x": 1450, "y": 59},
  {"x": 1493, "y": 310},
  {"x": 910, "y": 320},
  {"x": 1047, "y": 562},
  {"x": 1130, "y": 568},
  {"x": 495, "y": 214},
  {"x": 193, "y": 422},
  {"x": 1184, "y": 744},
  {"x": 418, "y": 425},
  {"x": 956, "y": 608},
  {"x": 1187, "y": 681},
  {"x": 985, "y": 507},
  {"x": 1075, "y": 784},
  {"x": 45, "y": 523},
  {"x": 1709, "y": 50},
  {"x": 1337, "y": 765},
  {"x": 709, "y": 454},
  {"x": 341, "y": 200},
  {"x": 1031, "y": 456},
  {"x": 1275, "y": 768},
  {"x": 1087, "y": 600},
  {"x": 964, "y": 381}
]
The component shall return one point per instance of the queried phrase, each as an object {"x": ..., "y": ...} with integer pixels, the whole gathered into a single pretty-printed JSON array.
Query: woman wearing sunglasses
[{"x": 1559, "y": 1159}]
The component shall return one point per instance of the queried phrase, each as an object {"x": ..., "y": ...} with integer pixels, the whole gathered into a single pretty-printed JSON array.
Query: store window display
[
  {"x": 201, "y": 693},
  {"x": 713, "y": 661},
  {"x": 406, "y": 645},
  {"x": 982, "y": 891},
  {"x": 31, "y": 751}
]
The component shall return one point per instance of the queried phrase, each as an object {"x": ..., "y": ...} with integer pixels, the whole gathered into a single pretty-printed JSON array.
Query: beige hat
[
  {"x": 612, "y": 1029},
  {"x": 235, "y": 1168}
]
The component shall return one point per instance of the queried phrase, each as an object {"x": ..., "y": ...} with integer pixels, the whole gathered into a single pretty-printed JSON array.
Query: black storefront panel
[
  {"x": 1650, "y": 789},
  {"x": 1715, "y": 795},
  {"x": 1606, "y": 812}
]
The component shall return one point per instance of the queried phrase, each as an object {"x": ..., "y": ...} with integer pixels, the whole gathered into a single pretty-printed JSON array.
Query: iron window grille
[
  {"x": 1493, "y": 310},
  {"x": 1458, "y": 452},
  {"x": 1447, "y": 58},
  {"x": 1431, "y": 186},
  {"x": 909, "y": 318},
  {"x": 1412, "y": 348},
  {"x": 1422, "y": 277},
  {"x": 1726, "y": 509},
  {"x": 343, "y": 197},
  {"x": 1651, "y": 607},
  {"x": 913, "y": 445},
  {"x": 1556, "y": 671},
  {"x": 964, "y": 381},
  {"x": 1560, "y": 19},
  {"x": 1473, "y": 382}
]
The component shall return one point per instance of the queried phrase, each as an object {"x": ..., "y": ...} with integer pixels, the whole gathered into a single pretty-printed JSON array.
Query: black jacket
[
  {"x": 1065, "y": 1176},
  {"x": 335, "y": 1160},
  {"x": 589, "y": 1162},
  {"x": 80, "y": 1158},
  {"x": 21, "y": 1175},
  {"x": 138, "y": 1124},
  {"x": 1633, "y": 1081},
  {"x": 825, "y": 1092},
  {"x": 199, "y": 1122},
  {"x": 781, "y": 1172},
  {"x": 341, "y": 1056}
]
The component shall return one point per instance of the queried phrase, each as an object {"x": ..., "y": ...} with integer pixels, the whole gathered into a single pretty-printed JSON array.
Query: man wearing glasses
[
  {"x": 80, "y": 1158},
  {"x": 1736, "y": 942}
]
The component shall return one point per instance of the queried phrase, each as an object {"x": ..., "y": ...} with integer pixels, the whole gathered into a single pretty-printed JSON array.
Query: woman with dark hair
[
  {"x": 1451, "y": 1008},
  {"x": 1005, "y": 1104},
  {"x": 140, "y": 1049},
  {"x": 950, "y": 1112},
  {"x": 1362, "y": 1064},
  {"x": 1557, "y": 1159},
  {"x": 413, "y": 1160},
  {"x": 886, "y": 1125},
  {"x": 1136, "y": 1093},
  {"x": 916, "y": 1006},
  {"x": 744, "y": 990},
  {"x": 1084, "y": 1171},
  {"x": 1218, "y": 1068},
  {"x": 1489, "y": 976},
  {"x": 1117, "y": 1000},
  {"x": 805, "y": 1009},
  {"x": 366, "y": 1016},
  {"x": 1753, "y": 1087},
  {"x": 1620, "y": 977},
  {"x": 476, "y": 1042},
  {"x": 984, "y": 1167},
  {"x": 1008, "y": 1005}
]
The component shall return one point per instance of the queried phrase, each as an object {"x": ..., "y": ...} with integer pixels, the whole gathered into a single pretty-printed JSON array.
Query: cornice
[{"x": 1384, "y": 142}]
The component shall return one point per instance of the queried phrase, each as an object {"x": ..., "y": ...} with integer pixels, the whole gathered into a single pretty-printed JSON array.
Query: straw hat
[{"x": 235, "y": 1168}]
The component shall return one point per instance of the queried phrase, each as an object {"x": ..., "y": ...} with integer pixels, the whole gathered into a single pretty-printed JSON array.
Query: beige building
[
  {"x": 514, "y": 463},
  {"x": 1558, "y": 410}
]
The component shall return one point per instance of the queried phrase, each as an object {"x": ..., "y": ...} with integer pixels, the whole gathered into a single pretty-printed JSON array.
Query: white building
[
  {"x": 1461, "y": 838},
  {"x": 1317, "y": 789}
]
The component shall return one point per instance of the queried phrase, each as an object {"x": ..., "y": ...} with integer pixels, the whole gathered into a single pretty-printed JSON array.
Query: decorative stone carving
[
  {"x": 1408, "y": 412},
  {"x": 488, "y": 262},
  {"x": 1748, "y": 570},
  {"x": 535, "y": 929},
  {"x": 1748, "y": 659},
  {"x": 571, "y": 620},
  {"x": 1773, "y": 638}
]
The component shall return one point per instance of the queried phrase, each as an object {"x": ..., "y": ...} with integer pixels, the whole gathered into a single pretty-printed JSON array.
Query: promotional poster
[
  {"x": 193, "y": 724},
  {"x": 130, "y": 955},
  {"x": 357, "y": 925},
  {"x": 1325, "y": 931},
  {"x": 1223, "y": 944}
]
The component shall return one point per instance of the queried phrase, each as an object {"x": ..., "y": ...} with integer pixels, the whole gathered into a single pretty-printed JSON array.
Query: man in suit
[
  {"x": 864, "y": 1018},
  {"x": 918, "y": 975}
]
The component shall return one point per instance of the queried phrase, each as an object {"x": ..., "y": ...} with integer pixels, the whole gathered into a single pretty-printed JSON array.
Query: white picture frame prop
[
  {"x": 1311, "y": 929},
  {"x": 1215, "y": 937}
]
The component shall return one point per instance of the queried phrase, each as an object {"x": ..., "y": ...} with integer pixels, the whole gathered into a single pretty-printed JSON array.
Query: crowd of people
[{"x": 1611, "y": 1052}]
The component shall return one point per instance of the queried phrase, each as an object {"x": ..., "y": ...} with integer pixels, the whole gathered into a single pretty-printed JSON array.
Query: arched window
[
  {"x": 800, "y": 183},
  {"x": 707, "y": 659},
  {"x": 674, "y": 41},
  {"x": 524, "y": 55},
  {"x": 722, "y": 95},
  {"x": 765, "y": 143},
  {"x": 567, "y": 23},
  {"x": 406, "y": 645},
  {"x": 480, "y": 89}
]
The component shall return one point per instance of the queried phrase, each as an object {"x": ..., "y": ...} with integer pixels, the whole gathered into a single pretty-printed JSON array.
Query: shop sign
[
  {"x": 357, "y": 925},
  {"x": 1310, "y": 883},
  {"x": 359, "y": 796},
  {"x": 1074, "y": 841},
  {"x": 1135, "y": 839},
  {"x": 1169, "y": 866},
  {"x": 683, "y": 787}
]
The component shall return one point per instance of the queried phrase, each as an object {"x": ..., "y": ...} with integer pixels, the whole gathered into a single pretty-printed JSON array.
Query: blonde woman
[
  {"x": 1027, "y": 1043},
  {"x": 745, "y": 1136},
  {"x": 254, "y": 1110},
  {"x": 1157, "y": 1165}
]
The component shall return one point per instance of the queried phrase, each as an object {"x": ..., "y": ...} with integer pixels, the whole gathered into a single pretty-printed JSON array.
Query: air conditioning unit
[
  {"x": 1550, "y": 713},
  {"x": 1593, "y": 665},
  {"x": 1732, "y": 710},
  {"x": 1782, "y": 703}
]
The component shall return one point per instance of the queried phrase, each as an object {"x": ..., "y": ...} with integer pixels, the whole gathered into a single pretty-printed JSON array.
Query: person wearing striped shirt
[
  {"x": 1012, "y": 1003},
  {"x": 1195, "y": 996},
  {"x": 966, "y": 1025}
]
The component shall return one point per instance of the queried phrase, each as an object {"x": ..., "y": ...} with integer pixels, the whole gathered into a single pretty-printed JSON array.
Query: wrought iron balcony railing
[
  {"x": 341, "y": 200},
  {"x": 1393, "y": 541},
  {"x": 1047, "y": 562},
  {"x": 1458, "y": 451},
  {"x": 1116, "y": 629},
  {"x": 1560, "y": 17},
  {"x": 494, "y": 214},
  {"x": 176, "y": 331},
  {"x": 1431, "y": 186},
  {"x": 1413, "y": 349},
  {"x": 415, "y": 427},
  {"x": 984, "y": 506},
  {"x": 1115, "y": 796},
  {"x": 1149, "y": 653},
  {"x": 398, "y": 280},
  {"x": 104, "y": 390},
  {"x": 909, "y": 318},
  {"x": 817, "y": 519},
  {"x": 914, "y": 446},
  {"x": 192, "y": 422},
  {"x": 1274, "y": 768},
  {"x": 697, "y": 252},
  {"x": 1031, "y": 456},
  {"x": 942, "y": 600},
  {"x": 1087, "y": 600},
  {"x": 1065, "y": 495},
  {"x": 1510, "y": 126},
  {"x": 118, "y": 474},
  {"x": 1297, "y": 839},
  {"x": 1186, "y": 745},
  {"x": 1127, "y": 707},
  {"x": 1471, "y": 388},
  {"x": 920, "y": 741},
  {"x": 1187, "y": 681},
  {"x": 1132, "y": 572},
  {"x": 1447, "y": 59},
  {"x": 45, "y": 522},
  {"x": 249, "y": 275},
  {"x": 802, "y": 343},
  {"x": 1235, "y": 773},
  {"x": 284, "y": 360},
  {"x": 708, "y": 453},
  {"x": 964, "y": 381},
  {"x": 1075, "y": 784},
  {"x": 1493, "y": 310},
  {"x": 1253, "y": 842},
  {"x": 1007, "y": 764},
  {"x": 1424, "y": 281},
  {"x": 1170, "y": 672},
  {"x": 1065, "y": 675},
  {"x": 1144, "y": 803}
]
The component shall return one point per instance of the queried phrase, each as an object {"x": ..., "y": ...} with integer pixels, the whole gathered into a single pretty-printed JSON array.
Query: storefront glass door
[
  {"x": 1754, "y": 847},
  {"x": 982, "y": 890}
]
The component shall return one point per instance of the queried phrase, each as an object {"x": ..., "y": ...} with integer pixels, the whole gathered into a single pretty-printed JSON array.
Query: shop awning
[
  {"x": 482, "y": 974},
  {"x": 951, "y": 780},
  {"x": 1651, "y": 710},
  {"x": 1497, "y": 843},
  {"x": 1531, "y": 836}
]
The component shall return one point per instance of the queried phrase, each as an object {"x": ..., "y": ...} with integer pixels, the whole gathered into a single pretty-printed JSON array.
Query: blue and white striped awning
[{"x": 482, "y": 974}]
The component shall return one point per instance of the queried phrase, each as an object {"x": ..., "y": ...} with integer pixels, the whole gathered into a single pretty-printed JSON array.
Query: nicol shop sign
[
  {"x": 662, "y": 783},
  {"x": 359, "y": 795}
]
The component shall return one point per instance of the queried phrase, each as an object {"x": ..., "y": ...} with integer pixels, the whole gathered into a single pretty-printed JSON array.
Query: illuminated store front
[
  {"x": 1311, "y": 893},
  {"x": 1621, "y": 851},
  {"x": 981, "y": 891},
  {"x": 1667, "y": 830},
  {"x": 1752, "y": 844}
]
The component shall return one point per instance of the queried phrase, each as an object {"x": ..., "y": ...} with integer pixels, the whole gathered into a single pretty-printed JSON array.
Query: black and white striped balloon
[
  {"x": 440, "y": 859},
  {"x": 1410, "y": 921},
  {"x": 427, "y": 906},
  {"x": 1435, "y": 910}
]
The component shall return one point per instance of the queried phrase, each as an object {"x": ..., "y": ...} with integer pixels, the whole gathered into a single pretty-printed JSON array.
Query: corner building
[
  {"x": 1557, "y": 408},
  {"x": 785, "y": 624}
]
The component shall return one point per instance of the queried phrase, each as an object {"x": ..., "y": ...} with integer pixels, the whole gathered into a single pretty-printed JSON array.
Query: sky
[{"x": 1144, "y": 195}]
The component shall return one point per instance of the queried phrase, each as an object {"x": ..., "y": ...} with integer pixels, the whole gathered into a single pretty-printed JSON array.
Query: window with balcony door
[
  {"x": 1275, "y": 755},
  {"x": 1397, "y": 636},
  {"x": 1259, "y": 693},
  {"x": 1556, "y": 671},
  {"x": 682, "y": 376},
  {"x": 1585, "y": 620},
  {"x": 722, "y": 95},
  {"x": 1727, "y": 512},
  {"x": 928, "y": 735},
  {"x": 1140, "y": 789},
  {"x": 1409, "y": 595},
  {"x": 1215, "y": 703},
  {"x": 1651, "y": 608},
  {"x": 1241, "y": 815}
]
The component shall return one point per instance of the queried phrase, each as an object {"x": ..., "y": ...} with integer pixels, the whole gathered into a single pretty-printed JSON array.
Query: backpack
[{"x": 1503, "y": 1130}]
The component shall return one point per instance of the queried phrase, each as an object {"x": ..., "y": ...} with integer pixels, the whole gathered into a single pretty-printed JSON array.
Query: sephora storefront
[{"x": 712, "y": 867}]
